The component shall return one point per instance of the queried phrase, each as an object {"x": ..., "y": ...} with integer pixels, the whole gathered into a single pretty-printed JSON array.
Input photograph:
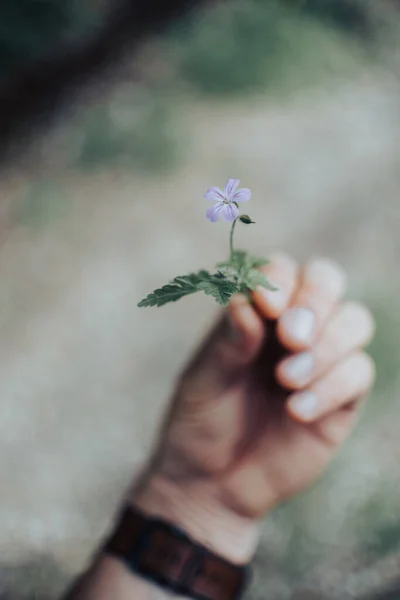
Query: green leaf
[
  {"x": 232, "y": 276},
  {"x": 246, "y": 292},
  {"x": 219, "y": 288},
  {"x": 237, "y": 261},
  {"x": 240, "y": 257},
  {"x": 258, "y": 261},
  {"x": 175, "y": 290},
  {"x": 254, "y": 278},
  {"x": 243, "y": 260},
  {"x": 217, "y": 285},
  {"x": 243, "y": 270}
]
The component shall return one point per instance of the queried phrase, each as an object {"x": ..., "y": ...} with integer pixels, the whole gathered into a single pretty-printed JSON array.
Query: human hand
[{"x": 261, "y": 410}]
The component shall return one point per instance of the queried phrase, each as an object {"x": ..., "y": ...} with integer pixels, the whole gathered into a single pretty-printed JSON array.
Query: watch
[{"x": 164, "y": 554}]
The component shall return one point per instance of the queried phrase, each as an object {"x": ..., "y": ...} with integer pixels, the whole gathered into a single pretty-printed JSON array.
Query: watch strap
[{"x": 164, "y": 554}]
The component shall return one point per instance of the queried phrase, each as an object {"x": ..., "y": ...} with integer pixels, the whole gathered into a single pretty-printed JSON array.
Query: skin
[{"x": 241, "y": 435}]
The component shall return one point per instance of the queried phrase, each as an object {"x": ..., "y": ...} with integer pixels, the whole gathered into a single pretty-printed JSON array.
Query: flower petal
[
  {"x": 230, "y": 188},
  {"x": 242, "y": 195},
  {"x": 214, "y": 194},
  {"x": 215, "y": 212},
  {"x": 230, "y": 212}
]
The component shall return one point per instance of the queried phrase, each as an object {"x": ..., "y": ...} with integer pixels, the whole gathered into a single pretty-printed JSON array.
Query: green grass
[
  {"x": 378, "y": 526},
  {"x": 352, "y": 16},
  {"x": 31, "y": 30},
  {"x": 243, "y": 47},
  {"x": 43, "y": 201},
  {"x": 385, "y": 348},
  {"x": 134, "y": 129},
  {"x": 255, "y": 45},
  {"x": 278, "y": 47}
]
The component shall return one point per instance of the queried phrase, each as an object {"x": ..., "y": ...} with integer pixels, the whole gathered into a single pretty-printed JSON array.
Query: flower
[{"x": 226, "y": 201}]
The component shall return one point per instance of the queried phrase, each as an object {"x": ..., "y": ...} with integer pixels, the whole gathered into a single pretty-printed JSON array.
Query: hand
[{"x": 263, "y": 407}]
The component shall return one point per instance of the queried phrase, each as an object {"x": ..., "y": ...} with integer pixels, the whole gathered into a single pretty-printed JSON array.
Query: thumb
[{"x": 228, "y": 350}]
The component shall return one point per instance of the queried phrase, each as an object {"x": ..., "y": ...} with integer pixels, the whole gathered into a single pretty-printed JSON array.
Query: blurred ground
[{"x": 85, "y": 375}]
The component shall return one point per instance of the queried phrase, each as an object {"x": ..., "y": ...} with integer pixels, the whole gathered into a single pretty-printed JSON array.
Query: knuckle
[
  {"x": 235, "y": 302},
  {"x": 362, "y": 363},
  {"x": 364, "y": 316},
  {"x": 354, "y": 320},
  {"x": 370, "y": 367},
  {"x": 281, "y": 261},
  {"x": 326, "y": 273}
]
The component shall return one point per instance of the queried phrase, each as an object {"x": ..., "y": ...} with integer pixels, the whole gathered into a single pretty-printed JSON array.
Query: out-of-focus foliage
[
  {"x": 350, "y": 15},
  {"x": 385, "y": 348},
  {"x": 235, "y": 46},
  {"x": 379, "y": 532},
  {"x": 245, "y": 45},
  {"x": 240, "y": 46},
  {"x": 42, "y": 202},
  {"x": 32, "y": 29},
  {"x": 136, "y": 127}
]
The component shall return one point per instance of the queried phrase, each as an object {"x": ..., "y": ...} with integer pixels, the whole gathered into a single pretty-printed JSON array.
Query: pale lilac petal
[
  {"x": 230, "y": 187},
  {"x": 242, "y": 195},
  {"x": 215, "y": 212},
  {"x": 214, "y": 194},
  {"x": 230, "y": 212}
]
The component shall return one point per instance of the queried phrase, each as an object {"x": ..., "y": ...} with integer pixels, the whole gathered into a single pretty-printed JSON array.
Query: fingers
[
  {"x": 346, "y": 382},
  {"x": 322, "y": 285},
  {"x": 336, "y": 427},
  {"x": 230, "y": 348},
  {"x": 245, "y": 330},
  {"x": 283, "y": 273},
  {"x": 348, "y": 330}
]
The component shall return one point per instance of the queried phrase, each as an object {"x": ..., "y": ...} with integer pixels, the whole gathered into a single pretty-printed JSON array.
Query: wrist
[{"x": 195, "y": 507}]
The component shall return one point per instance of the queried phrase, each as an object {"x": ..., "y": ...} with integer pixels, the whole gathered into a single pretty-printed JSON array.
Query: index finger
[
  {"x": 322, "y": 285},
  {"x": 282, "y": 272}
]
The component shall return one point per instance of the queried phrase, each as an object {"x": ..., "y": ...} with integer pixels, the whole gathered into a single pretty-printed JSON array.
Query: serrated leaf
[
  {"x": 247, "y": 293},
  {"x": 238, "y": 274},
  {"x": 254, "y": 278},
  {"x": 256, "y": 261},
  {"x": 176, "y": 289},
  {"x": 226, "y": 264},
  {"x": 216, "y": 285},
  {"x": 243, "y": 260},
  {"x": 220, "y": 288},
  {"x": 238, "y": 260},
  {"x": 239, "y": 254}
]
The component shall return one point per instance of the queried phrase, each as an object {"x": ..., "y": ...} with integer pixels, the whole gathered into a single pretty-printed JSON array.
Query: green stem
[{"x": 231, "y": 237}]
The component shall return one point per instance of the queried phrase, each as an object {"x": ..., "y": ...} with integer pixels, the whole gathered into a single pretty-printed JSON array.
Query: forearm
[
  {"x": 191, "y": 509},
  {"x": 109, "y": 579}
]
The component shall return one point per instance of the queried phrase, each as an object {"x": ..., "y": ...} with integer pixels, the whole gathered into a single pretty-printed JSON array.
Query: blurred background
[{"x": 115, "y": 117}]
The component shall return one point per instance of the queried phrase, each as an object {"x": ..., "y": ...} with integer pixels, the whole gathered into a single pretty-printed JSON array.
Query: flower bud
[{"x": 246, "y": 219}]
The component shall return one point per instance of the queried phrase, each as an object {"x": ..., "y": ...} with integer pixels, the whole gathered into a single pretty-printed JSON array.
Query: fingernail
[
  {"x": 297, "y": 370},
  {"x": 304, "y": 404},
  {"x": 299, "y": 324}
]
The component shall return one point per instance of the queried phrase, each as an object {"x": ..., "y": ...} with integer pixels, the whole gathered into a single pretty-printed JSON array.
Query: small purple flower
[{"x": 226, "y": 201}]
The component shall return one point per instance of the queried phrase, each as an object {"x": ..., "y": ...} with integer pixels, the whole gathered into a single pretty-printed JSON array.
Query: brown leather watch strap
[{"x": 164, "y": 554}]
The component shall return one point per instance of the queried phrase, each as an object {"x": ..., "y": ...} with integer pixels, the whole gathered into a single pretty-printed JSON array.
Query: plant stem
[{"x": 231, "y": 237}]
